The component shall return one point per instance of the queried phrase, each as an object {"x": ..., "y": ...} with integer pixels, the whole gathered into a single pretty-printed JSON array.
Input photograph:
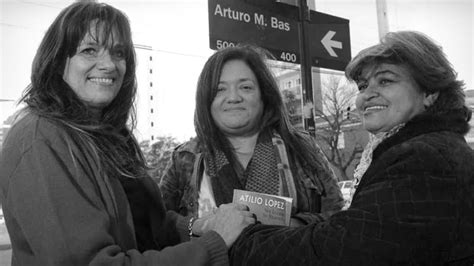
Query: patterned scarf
[
  {"x": 261, "y": 174},
  {"x": 366, "y": 157}
]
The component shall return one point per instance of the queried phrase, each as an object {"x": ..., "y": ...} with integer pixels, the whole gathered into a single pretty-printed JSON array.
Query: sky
[{"x": 177, "y": 32}]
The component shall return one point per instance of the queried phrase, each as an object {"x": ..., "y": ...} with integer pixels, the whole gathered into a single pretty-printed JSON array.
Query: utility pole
[{"x": 382, "y": 18}]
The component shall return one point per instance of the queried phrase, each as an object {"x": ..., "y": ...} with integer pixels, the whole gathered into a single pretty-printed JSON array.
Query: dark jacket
[
  {"x": 317, "y": 190},
  {"x": 413, "y": 206},
  {"x": 60, "y": 210}
]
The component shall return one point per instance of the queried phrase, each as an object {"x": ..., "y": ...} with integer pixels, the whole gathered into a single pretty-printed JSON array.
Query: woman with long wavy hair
[{"x": 73, "y": 181}]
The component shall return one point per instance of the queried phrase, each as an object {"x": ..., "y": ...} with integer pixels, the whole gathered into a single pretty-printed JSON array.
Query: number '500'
[{"x": 223, "y": 44}]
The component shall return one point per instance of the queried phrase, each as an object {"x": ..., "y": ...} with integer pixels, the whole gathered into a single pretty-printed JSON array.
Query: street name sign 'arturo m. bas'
[
  {"x": 233, "y": 21},
  {"x": 274, "y": 26}
]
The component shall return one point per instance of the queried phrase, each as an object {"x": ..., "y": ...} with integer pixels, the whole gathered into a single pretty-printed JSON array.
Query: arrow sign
[
  {"x": 329, "y": 43},
  {"x": 274, "y": 26}
]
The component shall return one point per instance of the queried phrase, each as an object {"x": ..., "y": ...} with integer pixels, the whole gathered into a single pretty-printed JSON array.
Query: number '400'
[{"x": 289, "y": 57}]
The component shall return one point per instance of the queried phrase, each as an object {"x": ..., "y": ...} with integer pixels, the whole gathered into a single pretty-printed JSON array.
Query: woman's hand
[
  {"x": 204, "y": 224},
  {"x": 228, "y": 221}
]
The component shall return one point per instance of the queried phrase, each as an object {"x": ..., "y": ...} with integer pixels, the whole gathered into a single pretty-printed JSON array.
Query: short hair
[
  {"x": 274, "y": 117},
  {"x": 426, "y": 62}
]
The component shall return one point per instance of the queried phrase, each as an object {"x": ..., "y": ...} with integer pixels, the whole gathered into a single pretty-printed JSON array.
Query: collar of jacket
[
  {"x": 192, "y": 146},
  {"x": 454, "y": 121}
]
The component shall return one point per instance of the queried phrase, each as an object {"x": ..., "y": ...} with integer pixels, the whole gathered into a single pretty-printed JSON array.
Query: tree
[
  {"x": 158, "y": 154},
  {"x": 291, "y": 102},
  {"x": 293, "y": 105},
  {"x": 336, "y": 120},
  {"x": 288, "y": 95}
]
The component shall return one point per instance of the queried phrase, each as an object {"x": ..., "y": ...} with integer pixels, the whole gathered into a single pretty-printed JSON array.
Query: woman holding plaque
[{"x": 245, "y": 141}]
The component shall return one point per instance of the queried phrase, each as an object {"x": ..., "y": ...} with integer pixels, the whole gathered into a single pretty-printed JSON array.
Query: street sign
[
  {"x": 330, "y": 45},
  {"x": 329, "y": 37},
  {"x": 274, "y": 26},
  {"x": 235, "y": 21}
]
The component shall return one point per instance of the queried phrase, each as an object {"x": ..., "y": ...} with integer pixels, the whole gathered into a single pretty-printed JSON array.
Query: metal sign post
[{"x": 307, "y": 89}]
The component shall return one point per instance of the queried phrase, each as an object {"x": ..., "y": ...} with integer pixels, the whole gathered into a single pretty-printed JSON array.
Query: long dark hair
[
  {"x": 428, "y": 66},
  {"x": 110, "y": 138},
  {"x": 275, "y": 115}
]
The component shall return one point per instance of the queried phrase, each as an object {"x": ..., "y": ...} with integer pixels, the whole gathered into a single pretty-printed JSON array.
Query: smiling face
[
  {"x": 237, "y": 107},
  {"x": 388, "y": 96},
  {"x": 95, "y": 72}
]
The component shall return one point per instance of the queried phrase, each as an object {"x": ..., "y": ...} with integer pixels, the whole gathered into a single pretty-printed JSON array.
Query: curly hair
[{"x": 427, "y": 63}]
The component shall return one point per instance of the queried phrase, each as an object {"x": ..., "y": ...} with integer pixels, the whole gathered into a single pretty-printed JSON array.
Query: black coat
[{"x": 414, "y": 206}]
